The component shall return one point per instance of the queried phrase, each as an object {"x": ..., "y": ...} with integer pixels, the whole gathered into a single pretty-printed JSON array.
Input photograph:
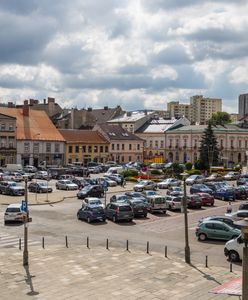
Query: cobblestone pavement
[{"x": 81, "y": 273}]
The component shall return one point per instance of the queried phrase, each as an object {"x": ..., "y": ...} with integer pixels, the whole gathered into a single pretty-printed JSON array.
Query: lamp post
[
  {"x": 26, "y": 220},
  {"x": 186, "y": 233},
  {"x": 244, "y": 232}
]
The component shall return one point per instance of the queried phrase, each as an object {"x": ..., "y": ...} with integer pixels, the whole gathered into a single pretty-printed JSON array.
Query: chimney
[
  {"x": 105, "y": 107},
  {"x": 25, "y": 102},
  {"x": 89, "y": 108},
  {"x": 51, "y": 100},
  {"x": 10, "y": 104},
  {"x": 44, "y": 101},
  {"x": 25, "y": 110}
]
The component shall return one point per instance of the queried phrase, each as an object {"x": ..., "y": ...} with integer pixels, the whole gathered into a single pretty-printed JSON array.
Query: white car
[
  {"x": 41, "y": 175},
  {"x": 194, "y": 179},
  {"x": 92, "y": 201},
  {"x": 66, "y": 184},
  {"x": 238, "y": 215},
  {"x": 145, "y": 185},
  {"x": 169, "y": 182},
  {"x": 14, "y": 213}
]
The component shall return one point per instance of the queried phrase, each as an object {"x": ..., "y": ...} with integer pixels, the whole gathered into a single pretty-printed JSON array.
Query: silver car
[
  {"x": 174, "y": 202},
  {"x": 66, "y": 184},
  {"x": 145, "y": 185},
  {"x": 169, "y": 182}
]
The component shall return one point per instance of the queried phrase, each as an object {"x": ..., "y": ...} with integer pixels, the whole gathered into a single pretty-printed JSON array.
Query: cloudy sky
[{"x": 136, "y": 53}]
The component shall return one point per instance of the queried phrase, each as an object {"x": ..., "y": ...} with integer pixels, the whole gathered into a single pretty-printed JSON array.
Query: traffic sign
[{"x": 24, "y": 206}]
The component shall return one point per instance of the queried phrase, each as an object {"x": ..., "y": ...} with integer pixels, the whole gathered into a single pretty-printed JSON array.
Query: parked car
[
  {"x": 81, "y": 183},
  {"x": 242, "y": 181},
  {"x": 206, "y": 199},
  {"x": 174, "y": 202},
  {"x": 158, "y": 203},
  {"x": 14, "y": 176},
  {"x": 14, "y": 213},
  {"x": 41, "y": 175},
  {"x": 225, "y": 193},
  {"x": 92, "y": 201},
  {"x": 200, "y": 188},
  {"x": 30, "y": 169},
  {"x": 229, "y": 221},
  {"x": 238, "y": 215},
  {"x": 214, "y": 177},
  {"x": 119, "y": 211},
  {"x": 39, "y": 187},
  {"x": 194, "y": 201},
  {"x": 66, "y": 184},
  {"x": 135, "y": 195},
  {"x": 232, "y": 176},
  {"x": 91, "y": 191},
  {"x": 175, "y": 191},
  {"x": 169, "y": 182},
  {"x": 234, "y": 249},
  {"x": 243, "y": 206},
  {"x": 91, "y": 213},
  {"x": 119, "y": 198},
  {"x": 193, "y": 179},
  {"x": 216, "y": 230},
  {"x": 116, "y": 177},
  {"x": 11, "y": 188},
  {"x": 139, "y": 207},
  {"x": 106, "y": 181},
  {"x": 241, "y": 192},
  {"x": 148, "y": 194},
  {"x": 145, "y": 185}
]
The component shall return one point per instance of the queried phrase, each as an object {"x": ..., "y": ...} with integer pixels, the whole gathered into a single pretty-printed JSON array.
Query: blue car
[
  {"x": 225, "y": 193},
  {"x": 200, "y": 188},
  {"x": 91, "y": 213}
]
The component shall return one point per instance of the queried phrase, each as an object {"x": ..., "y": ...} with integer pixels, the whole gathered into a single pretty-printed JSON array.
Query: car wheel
[
  {"x": 212, "y": 204},
  {"x": 67, "y": 188},
  {"x": 202, "y": 237},
  {"x": 78, "y": 216},
  {"x": 164, "y": 211},
  {"x": 233, "y": 256},
  {"x": 223, "y": 198},
  {"x": 114, "y": 219},
  {"x": 88, "y": 219},
  {"x": 104, "y": 219},
  {"x": 57, "y": 187},
  {"x": 145, "y": 215},
  {"x": 40, "y": 191}
]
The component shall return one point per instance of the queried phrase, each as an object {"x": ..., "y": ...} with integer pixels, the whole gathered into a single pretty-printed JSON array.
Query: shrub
[
  {"x": 130, "y": 173},
  {"x": 194, "y": 172},
  {"x": 131, "y": 179},
  {"x": 188, "y": 166},
  {"x": 155, "y": 172}
]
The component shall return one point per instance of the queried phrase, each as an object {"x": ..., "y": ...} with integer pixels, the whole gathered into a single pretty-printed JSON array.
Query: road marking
[{"x": 8, "y": 240}]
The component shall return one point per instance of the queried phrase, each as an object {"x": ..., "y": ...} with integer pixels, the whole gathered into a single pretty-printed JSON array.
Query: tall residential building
[
  {"x": 243, "y": 105},
  {"x": 204, "y": 108},
  {"x": 199, "y": 111}
]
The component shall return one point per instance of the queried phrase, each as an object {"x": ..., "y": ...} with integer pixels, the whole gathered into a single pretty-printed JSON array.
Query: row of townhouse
[{"x": 29, "y": 137}]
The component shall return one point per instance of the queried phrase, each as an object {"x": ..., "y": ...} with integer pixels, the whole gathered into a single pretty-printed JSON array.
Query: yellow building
[{"x": 85, "y": 146}]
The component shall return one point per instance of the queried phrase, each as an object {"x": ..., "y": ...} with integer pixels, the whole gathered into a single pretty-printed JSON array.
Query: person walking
[
  {"x": 229, "y": 208},
  {"x": 123, "y": 182}
]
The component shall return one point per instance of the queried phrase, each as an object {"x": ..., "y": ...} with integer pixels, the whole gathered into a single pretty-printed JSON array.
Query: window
[
  {"x": 48, "y": 147},
  {"x": 77, "y": 149},
  {"x": 89, "y": 149},
  {"x": 245, "y": 144},
  {"x": 101, "y": 149},
  {"x": 130, "y": 158},
  {"x": 3, "y": 126},
  {"x": 156, "y": 144},
  {"x": 113, "y": 146},
  {"x": 83, "y": 149},
  {"x": 117, "y": 146},
  {"x": 122, "y": 158},
  {"x": 130, "y": 146},
  {"x": 138, "y": 147},
  {"x": 95, "y": 149},
  {"x": 221, "y": 143},
  {"x": 161, "y": 144},
  {"x": 231, "y": 143},
  {"x": 70, "y": 149},
  {"x": 150, "y": 144},
  {"x": 36, "y": 147},
  {"x": 26, "y": 147},
  {"x": 106, "y": 148},
  {"x": 56, "y": 147},
  {"x": 11, "y": 127},
  {"x": 122, "y": 147},
  {"x": 240, "y": 144}
]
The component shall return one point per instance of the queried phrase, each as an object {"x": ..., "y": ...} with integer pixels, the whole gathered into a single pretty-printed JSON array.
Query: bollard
[
  {"x": 66, "y": 241},
  {"x": 20, "y": 244},
  {"x": 88, "y": 246},
  {"x": 127, "y": 246},
  {"x": 43, "y": 242},
  {"x": 147, "y": 247},
  {"x": 206, "y": 262},
  {"x": 231, "y": 266},
  {"x": 107, "y": 244},
  {"x": 165, "y": 251}
]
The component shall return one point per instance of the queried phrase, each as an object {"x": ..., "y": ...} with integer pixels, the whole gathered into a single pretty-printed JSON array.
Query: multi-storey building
[
  {"x": 7, "y": 139},
  {"x": 124, "y": 145},
  {"x": 153, "y": 133},
  {"x": 243, "y": 105},
  {"x": 199, "y": 111},
  {"x": 183, "y": 144},
  {"x": 85, "y": 146},
  {"x": 37, "y": 139},
  {"x": 131, "y": 121}
]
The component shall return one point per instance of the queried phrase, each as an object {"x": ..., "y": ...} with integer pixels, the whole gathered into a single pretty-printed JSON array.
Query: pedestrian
[
  {"x": 123, "y": 182},
  {"x": 229, "y": 208}
]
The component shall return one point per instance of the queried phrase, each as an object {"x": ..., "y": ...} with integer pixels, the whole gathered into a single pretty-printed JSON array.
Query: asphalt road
[{"x": 55, "y": 221}]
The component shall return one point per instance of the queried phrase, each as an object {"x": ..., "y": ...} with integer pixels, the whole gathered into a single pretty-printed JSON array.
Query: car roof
[
  {"x": 15, "y": 205},
  {"x": 213, "y": 221},
  {"x": 121, "y": 203},
  {"x": 224, "y": 217},
  {"x": 92, "y": 198}
]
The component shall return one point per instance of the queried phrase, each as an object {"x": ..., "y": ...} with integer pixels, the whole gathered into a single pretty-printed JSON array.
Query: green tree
[
  {"x": 220, "y": 118},
  {"x": 209, "y": 152}
]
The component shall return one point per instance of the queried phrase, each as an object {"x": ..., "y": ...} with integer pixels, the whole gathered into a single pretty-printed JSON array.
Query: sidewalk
[{"x": 92, "y": 274}]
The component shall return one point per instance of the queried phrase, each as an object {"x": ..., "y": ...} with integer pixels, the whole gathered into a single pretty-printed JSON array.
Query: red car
[{"x": 206, "y": 199}]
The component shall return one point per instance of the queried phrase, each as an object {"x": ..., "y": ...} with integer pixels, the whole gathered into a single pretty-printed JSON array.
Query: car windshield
[
  {"x": 125, "y": 208},
  {"x": 143, "y": 182},
  {"x": 176, "y": 199},
  {"x": 86, "y": 188},
  {"x": 12, "y": 184},
  {"x": 160, "y": 200},
  {"x": 13, "y": 209},
  {"x": 124, "y": 197},
  {"x": 151, "y": 193},
  {"x": 43, "y": 184},
  {"x": 67, "y": 181},
  {"x": 94, "y": 202}
]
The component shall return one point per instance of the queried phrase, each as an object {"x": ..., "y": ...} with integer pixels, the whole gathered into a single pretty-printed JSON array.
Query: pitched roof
[
  {"x": 116, "y": 132},
  {"x": 35, "y": 126},
  {"x": 216, "y": 128},
  {"x": 104, "y": 115},
  {"x": 83, "y": 136}
]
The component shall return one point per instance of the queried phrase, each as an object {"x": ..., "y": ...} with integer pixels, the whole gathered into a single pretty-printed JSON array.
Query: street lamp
[
  {"x": 26, "y": 220},
  {"x": 186, "y": 233},
  {"x": 244, "y": 232}
]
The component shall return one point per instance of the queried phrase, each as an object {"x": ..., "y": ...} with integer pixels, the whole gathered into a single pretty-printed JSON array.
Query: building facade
[
  {"x": 183, "y": 144},
  {"x": 124, "y": 145},
  {"x": 243, "y": 105},
  {"x": 7, "y": 139},
  {"x": 85, "y": 146}
]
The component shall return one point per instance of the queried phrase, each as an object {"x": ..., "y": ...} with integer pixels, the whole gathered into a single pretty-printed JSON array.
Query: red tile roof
[
  {"x": 83, "y": 136},
  {"x": 35, "y": 126}
]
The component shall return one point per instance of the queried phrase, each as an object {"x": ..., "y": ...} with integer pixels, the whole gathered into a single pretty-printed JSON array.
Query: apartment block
[{"x": 243, "y": 105}]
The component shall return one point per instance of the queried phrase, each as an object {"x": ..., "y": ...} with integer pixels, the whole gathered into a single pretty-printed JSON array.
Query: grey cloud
[
  {"x": 19, "y": 6},
  {"x": 133, "y": 69},
  {"x": 173, "y": 55}
]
